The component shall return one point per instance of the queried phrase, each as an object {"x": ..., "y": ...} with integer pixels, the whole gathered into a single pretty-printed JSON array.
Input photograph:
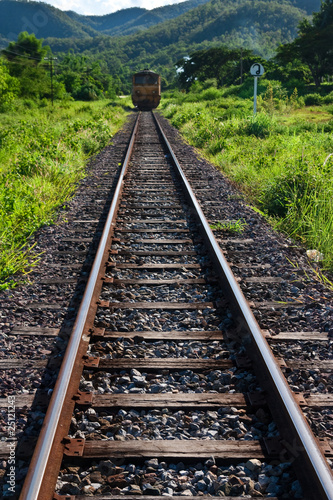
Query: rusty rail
[{"x": 34, "y": 487}]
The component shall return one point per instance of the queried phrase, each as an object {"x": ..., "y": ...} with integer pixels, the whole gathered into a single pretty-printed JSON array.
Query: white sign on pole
[{"x": 256, "y": 70}]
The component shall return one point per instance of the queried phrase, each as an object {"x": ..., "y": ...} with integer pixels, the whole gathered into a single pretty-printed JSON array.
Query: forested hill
[
  {"x": 46, "y": 21},
  {"x": 259, "y": 25},
  {"x": 39, "y": 18},
  {"x": 127, "y": 21}
]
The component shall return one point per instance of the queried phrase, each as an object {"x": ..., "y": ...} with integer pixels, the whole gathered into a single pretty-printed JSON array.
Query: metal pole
[
  {"x": 41, "y": 457},
  {"x": 255, "y": 95}
]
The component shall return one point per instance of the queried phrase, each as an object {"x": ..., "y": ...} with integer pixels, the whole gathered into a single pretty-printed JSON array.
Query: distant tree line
[
  {"x": 28, "y": 69},
  {"x": 314, "y": 44},
  {"x": 308, "y": 58}
]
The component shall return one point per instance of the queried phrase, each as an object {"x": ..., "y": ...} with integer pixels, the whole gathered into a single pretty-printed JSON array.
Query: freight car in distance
[{"x": 146, "y": 90}]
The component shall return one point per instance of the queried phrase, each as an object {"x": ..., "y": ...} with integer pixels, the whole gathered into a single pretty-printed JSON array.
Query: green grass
[
  {"x": 232, "y": 227},
  {"x": 277, "y": 157},
  {"x": 43, "y": 156}
]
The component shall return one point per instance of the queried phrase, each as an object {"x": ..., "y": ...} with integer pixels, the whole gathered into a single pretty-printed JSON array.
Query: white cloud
[{"x": 100, "y": 7}]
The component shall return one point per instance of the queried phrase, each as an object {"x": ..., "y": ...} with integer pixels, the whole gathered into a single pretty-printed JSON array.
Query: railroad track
[{"x": 161, "y": 330}]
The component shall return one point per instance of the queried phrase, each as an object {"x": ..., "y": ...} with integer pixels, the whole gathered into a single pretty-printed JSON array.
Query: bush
[
  {"x": 287, "y": 190},
  {"x": 312, "y": 100},
  {"x": 210, "y": 94},
  {"x": 260, "y": 126},
  {"x": 30, "y": 103},
  {"x": 301, "y": 102},
  {"x": 209, "y": 83},
  {"x": 44, "y": 103},
  {"x": 9, "y": 86},
  {"x": 328, "y": 99}
]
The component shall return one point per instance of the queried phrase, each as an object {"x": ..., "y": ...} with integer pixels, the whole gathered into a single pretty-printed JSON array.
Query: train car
[{"x": 146, "y": 90}]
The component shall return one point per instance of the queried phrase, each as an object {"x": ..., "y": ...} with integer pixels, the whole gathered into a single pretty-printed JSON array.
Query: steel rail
[
  {"x": 34, "y": 479},
  {"x": 315, "y": 464}
]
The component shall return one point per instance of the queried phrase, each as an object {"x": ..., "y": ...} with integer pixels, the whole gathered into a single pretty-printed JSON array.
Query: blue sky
[{"x": 101, "y": 7}]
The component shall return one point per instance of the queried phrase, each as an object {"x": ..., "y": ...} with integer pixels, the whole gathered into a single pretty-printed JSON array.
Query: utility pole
[{"x": 51, "y": 59}]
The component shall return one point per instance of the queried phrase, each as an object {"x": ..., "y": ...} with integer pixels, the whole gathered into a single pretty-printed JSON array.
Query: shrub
[
  {"x": 209, "y": 83},
  {"x": 260, "y": 125},
  {"x": 312, "y": 99},
  {"x": 287, "y": 190},
  {"x": 210, "y": 94},
  {"x": 30, "y": 103},
  {"x": 328, "y": 99}
]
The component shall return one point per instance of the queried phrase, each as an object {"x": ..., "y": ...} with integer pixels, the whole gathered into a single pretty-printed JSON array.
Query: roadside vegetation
[
  {"x": 281, "y": 158},
  {"x": 43, "y": 155}
]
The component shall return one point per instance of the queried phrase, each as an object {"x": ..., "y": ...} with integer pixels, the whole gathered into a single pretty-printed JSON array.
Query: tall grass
[
  {"x": 277, "y": 157},
  {"x": 43, "y": 155}
]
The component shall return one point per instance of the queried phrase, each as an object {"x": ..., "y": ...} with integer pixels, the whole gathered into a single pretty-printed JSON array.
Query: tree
[
  {"x": 220, "y": 63},
  {"x": 314, "y": 44},
  {"x": 28, "y": 48},
  {"x": 25, "y": 62},
  {"x": 84, "y": 79},
  {"x": 289, "y": 69}
]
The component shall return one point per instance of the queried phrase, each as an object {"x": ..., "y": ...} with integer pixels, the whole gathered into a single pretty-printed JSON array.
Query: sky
[{"x": 101, "y": 7}]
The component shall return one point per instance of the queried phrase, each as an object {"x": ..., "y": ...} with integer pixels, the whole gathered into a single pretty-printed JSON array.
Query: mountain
[
  {"x": 39, "y": 18},
  {"x": 174, "y": 31},
  {"x": 46, "y": 21},
  {"x": 109, "y": 21},
  {"x": 259, "y": 25},
  {"x": 127, "y": 21}
]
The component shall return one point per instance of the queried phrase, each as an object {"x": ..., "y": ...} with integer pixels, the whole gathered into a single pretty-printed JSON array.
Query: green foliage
[
  {"x": 313, "y": 46},
  {"x": 34, "y": 82},
  {"x": 84, "y": 79},
  {"x": 220, "y": 65},
  {"x": 328, "y": 99},
  {"x": 210, "y": 94},
  {"x": 25, "y": 59},
  {"x": 309, "y": 215},
  {"x": 77, "y": 76},
  {"x": 289, "y": 70},
  {"x": 312, "y": 99},
  {"x": 259, "y": 126},
  {"x": 175, "y": 31},
  {"x": 27, "y": 48},
  {"x": 9, "y": 86},
  {"x": 232, "y": 227},
  {"x": 290, "y": 189}
]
